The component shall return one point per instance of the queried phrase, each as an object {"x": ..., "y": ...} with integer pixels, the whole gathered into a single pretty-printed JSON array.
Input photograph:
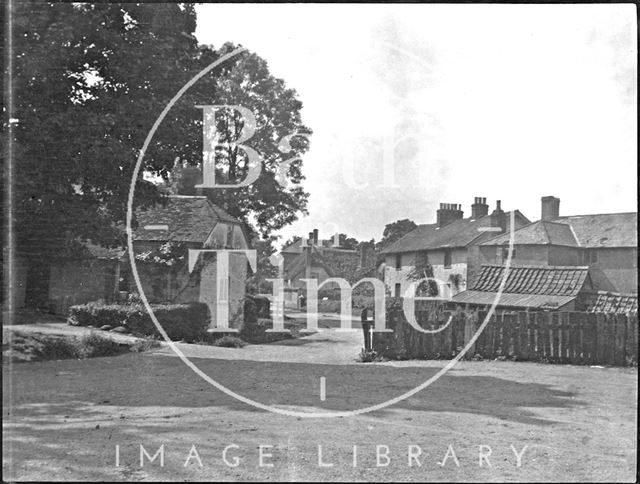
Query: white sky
[{"x": 509, "y": 102}]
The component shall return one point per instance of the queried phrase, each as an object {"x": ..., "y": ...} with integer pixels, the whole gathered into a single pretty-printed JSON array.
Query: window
[
  {"x": 447, "y": 258},
  {"x": 229, "y": 235},
  {"x": 505, "y": 254},
  {"x": 589, "y": 256},
  {"x": 397, "y": 293},
  {"x": 398, "y": 261}
]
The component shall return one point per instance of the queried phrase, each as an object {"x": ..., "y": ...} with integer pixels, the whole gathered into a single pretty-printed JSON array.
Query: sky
[{"x": 416, "y": 105}]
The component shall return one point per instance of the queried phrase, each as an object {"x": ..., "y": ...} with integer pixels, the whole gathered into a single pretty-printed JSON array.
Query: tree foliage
[
  {"x": 89, "y": 81},
  {"x": 422, "y": 269},
  {"x": 395, "y": 231}
]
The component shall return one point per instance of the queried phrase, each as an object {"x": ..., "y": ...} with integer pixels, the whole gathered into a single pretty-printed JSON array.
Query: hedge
[{"x": 188, "y": 322}]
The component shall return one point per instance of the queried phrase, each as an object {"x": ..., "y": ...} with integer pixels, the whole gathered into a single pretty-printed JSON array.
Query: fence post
[
  {"x": 620, "y": 357},
  {"x": 631, "y": 348}
]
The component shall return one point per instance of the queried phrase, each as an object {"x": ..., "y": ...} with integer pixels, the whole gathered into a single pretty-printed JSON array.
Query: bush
[
  {"x": 144, "y": 345},
  {"x": 230, "y": 342},
  {"x": 368, "y": 356},
  {"x": 186, "y": 322},
  {"x": 94, "y": 345},
  {"x": 55, "y": 348}
]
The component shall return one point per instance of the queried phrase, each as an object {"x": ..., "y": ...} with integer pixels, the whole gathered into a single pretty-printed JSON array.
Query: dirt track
[{"x": 68, "y": 416}]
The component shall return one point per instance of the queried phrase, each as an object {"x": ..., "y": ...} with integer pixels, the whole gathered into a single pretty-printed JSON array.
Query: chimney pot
[
  {"x": 448, "y": 212},
  {"x": 498, "y": 205},
  {"x": 479, "y": 208}
]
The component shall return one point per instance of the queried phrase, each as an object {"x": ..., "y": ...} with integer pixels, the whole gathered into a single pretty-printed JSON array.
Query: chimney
[
  {"x": 479, "y": 208},
  {"x": 550, "y": 208},
  {"x": 315, "y": 236},
  {"x": 366, "y": 251},
  {"x": 447, "y": 213},
  {"x": 311, "y": 238},
  {"x": 498, "y": 217}
]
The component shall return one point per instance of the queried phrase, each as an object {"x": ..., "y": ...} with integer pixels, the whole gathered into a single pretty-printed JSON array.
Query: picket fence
[{"x": 555, "y": 337}]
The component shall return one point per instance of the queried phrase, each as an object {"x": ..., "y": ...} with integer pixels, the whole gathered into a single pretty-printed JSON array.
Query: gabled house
[
  {"x": 183, "y": 223},
  {"x": 606, "y": 243},
  {"x": 448, "y": 244},
  {"x": 322, "y": 259}
]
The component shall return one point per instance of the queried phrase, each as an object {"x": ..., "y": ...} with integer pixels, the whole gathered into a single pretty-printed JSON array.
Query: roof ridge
[
  {"x": 527, "y": 266},
  {"x": 592, "y": 214}
]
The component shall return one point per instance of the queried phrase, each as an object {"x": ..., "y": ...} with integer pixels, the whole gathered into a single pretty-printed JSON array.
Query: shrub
[
  {"x": 368, "y": 356},
  {"x": 228, "y": 341},
  {"x": 94, "y": 345},
  {"x": 186, "y": 322},
  {"x": 255, "y": 331},
  {"x": 55, "y": 348},
  {"x": 144, "y": 345}
]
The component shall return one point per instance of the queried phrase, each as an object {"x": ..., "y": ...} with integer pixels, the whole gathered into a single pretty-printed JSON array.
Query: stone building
[
  {"x": 187, "y": 223},
  {"x": 448, "y": 244}
]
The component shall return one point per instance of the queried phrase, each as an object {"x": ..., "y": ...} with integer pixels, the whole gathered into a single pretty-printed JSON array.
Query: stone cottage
[
  {"x": 162, "y": 241},
  {"x": 448, "y": 244}
]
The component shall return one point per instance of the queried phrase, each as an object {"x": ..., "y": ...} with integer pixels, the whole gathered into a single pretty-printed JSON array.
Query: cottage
[
  {"x": 448, "y": 244},
  {"x": 161, "y": 242}
]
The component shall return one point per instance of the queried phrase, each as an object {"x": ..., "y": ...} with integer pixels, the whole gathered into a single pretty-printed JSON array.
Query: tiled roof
[
  {"x": 548, "y": 287},
  {"x": 610, "y": 302},
  {"x": 187, "y": 219},
  {"x": 589, "y": 231},
  {"x": 547, "y": 280},
  {"x": 538, "y": 233},
  {"x": 604, "y": 230},
  {"x": 337, "y": 262},
  {"x": 459, "y": 233}
]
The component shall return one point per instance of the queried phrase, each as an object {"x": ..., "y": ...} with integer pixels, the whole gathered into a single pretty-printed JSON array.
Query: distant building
[
  {"x": 448, "y": 244},
  {"x": 321, "y": 259},
  {"x": 312, "y": 258}
]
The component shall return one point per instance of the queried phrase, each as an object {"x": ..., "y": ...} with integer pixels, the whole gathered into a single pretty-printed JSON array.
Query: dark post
[{"x": 366, "y": 328}]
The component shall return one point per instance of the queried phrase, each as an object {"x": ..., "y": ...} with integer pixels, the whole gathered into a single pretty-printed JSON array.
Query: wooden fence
[{"x": 555, "y": 337}]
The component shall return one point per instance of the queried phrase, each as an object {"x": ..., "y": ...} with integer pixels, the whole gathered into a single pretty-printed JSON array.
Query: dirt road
[{"x": 65, "y": 419}]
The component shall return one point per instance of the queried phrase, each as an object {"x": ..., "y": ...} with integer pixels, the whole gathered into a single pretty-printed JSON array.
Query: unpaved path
[{"x": 64, "y": 420}]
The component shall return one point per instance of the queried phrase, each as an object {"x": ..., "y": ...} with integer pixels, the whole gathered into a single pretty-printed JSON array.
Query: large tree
[{"x": 89, "y": 81}]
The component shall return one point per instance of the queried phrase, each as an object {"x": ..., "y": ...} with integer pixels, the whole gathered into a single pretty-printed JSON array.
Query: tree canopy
[
  {"x": 394, "y": 231},
  {"x": 90, "y": 80}
]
